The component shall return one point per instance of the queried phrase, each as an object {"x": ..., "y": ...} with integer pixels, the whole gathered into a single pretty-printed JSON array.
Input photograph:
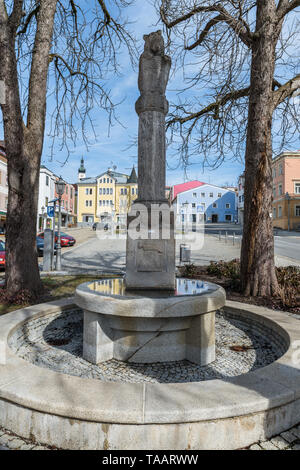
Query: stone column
[{"x": 150, "y": 259}]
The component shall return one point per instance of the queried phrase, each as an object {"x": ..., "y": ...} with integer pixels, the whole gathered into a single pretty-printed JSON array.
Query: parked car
[
  {"x": 2, "y": 254},
  {"x": 40, "y": 246},
  {"x": 65, "y": 239}
]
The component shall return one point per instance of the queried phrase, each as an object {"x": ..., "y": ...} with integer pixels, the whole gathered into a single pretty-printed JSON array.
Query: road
[{"x": 108, "y": 255}]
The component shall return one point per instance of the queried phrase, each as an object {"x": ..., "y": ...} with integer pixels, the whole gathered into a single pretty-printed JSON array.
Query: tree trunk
[
  {"x": 24, "y": 146},
  {"x": 22, "y": 271},
  {"x": 257, "y": 253}
]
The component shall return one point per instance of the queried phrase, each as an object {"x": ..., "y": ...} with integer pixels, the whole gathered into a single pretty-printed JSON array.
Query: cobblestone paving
[
  {"x": 55, "y": 342},
  {"x": 288, "y": 440}
]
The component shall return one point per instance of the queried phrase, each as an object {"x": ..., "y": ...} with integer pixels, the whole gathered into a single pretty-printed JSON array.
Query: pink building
[
  {"x": 68, "y": 205},
  {"x": 286, "y": 190}
]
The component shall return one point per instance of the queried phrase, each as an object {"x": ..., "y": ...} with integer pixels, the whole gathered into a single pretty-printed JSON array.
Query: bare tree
[
  {"x": 61, "y": 47},
  {"x": 242, "y": 67}
]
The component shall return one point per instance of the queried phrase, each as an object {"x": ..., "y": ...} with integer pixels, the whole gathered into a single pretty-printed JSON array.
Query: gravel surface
[{"x": 55, "y": 342}]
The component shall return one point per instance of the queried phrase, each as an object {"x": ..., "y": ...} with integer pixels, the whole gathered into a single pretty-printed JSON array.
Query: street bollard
[
  {"x": 233, "y": 238},
  {"x": 226, "y": 237},
  {"x": 219, "y": 235},
  {"x": 48, "y": 250}
]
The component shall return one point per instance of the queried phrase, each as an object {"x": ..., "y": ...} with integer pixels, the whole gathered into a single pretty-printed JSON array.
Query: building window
[
  {"x": 91, "y": 203},
  {"x": 71, "y": 193},
  {"x": 47, "y": 180},
  {"x": 211, "y": 194},
  {"x": 104, "y": 191},
  {"x": 122, "y": 192},
  {"x": 111, "y": 190},
  {"x": 214, "y": 204},
  {"x": 219, "y": 195},
  {"x": 100, "y": 181},
  {"x": 132, "y": 191},
  {"x": 125, "y": 191},
  {"x": 274, "y": 212},
  {"x": 274, "y": 172},
  {"x": 107, "y": 202},
  {"x": 280, "y": 169},
  {"x": 279, "y": 211},
  {"x": 274, "y": 191},
  {"x": 111, "y": 203},
  {"x": 100, "y": 191},
  {"x": 280, "y": 189},
  {"x": 104, "y": 180},
  {"x": 91, "y": 191},
  {"x": 297, "y": 188},
  {"x": 202, "y": 194},
  {"x": 111, "y": 180},
  {"x": 193, "y": 204},
  {"x": 297, "y": 211},
  {"x": 100, "y": 202},
  {"x": 86, "y": 203},
  {"x": 86, "y": 190},
  {"x": 227, "y": 205}
]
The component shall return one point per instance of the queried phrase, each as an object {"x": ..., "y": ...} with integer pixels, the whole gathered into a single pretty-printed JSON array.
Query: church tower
[{"x": 81, "y": 170}]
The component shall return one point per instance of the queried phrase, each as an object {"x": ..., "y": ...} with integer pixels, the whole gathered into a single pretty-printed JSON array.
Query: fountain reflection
[{"x": 117, "y": 286}]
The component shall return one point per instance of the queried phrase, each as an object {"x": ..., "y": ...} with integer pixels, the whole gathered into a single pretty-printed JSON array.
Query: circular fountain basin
[
  {"x": 151, "y": 325},
  {"x": 76, "y": 412}
]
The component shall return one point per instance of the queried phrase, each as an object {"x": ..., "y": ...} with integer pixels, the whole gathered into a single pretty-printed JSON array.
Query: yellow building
[{"x": 105, "y": 197}]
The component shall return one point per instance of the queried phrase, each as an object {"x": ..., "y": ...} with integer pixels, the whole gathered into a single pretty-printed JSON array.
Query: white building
[
  {"x": 46, "y": 194},
  {"x": 206, "y": 202}
]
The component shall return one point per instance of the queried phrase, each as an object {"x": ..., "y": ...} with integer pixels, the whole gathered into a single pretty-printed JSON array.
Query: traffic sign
[{"x": 50, "y": 211}]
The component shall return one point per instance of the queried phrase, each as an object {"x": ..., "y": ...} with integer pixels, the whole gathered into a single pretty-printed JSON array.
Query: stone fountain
[
  {"x": 150, "y": 316},
  {"x": 50, "y": 395}
]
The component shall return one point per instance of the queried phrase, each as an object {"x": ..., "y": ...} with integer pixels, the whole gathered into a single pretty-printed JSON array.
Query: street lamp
[
  {"x": 288, "y": 197},
  {"x": 60, "y": 189}
]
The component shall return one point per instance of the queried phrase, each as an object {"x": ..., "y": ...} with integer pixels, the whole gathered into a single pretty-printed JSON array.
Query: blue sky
[{"x": 112, "y": 147}]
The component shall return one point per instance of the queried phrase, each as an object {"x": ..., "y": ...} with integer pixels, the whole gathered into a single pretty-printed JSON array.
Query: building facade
[
  {"x": 105, "y": 197},
  {"x": 47, "y": 194},
  {"x": 3, "y": 187},
  {"x": 286, "y": 191},
  {"x": 207, "y": 202}
]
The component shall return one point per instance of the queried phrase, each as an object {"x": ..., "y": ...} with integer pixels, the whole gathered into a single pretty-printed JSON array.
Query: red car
[
  {"x": 65, "y": 239},
  {"x": 2, "y": 254}
]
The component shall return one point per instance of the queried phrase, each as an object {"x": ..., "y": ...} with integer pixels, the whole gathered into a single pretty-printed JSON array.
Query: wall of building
[
  {"x": 87, "y": 203},
  {"x": 286, "y": 179},
  {"x": 215, "y": 203}
]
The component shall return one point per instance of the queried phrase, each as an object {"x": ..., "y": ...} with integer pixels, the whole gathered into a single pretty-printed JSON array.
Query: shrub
[
  {"x": 227, "y": 269},
  {"x": 289, "y": 283}
]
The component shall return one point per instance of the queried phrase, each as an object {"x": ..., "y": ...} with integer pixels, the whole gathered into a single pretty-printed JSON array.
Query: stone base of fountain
[{"x": 149, "y": 326}]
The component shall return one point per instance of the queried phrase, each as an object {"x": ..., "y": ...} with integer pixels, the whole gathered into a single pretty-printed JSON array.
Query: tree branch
[
  {"x": 232, "y": 96},
  {"x": 285, "y": 6},
  {"x": 239, "y": 26},
  {"x": 39, "y": 69},
  {"x": 286, "y": 90},
  {"x": 16, "y": 15},
  {"x": 33, "y": 13}
]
